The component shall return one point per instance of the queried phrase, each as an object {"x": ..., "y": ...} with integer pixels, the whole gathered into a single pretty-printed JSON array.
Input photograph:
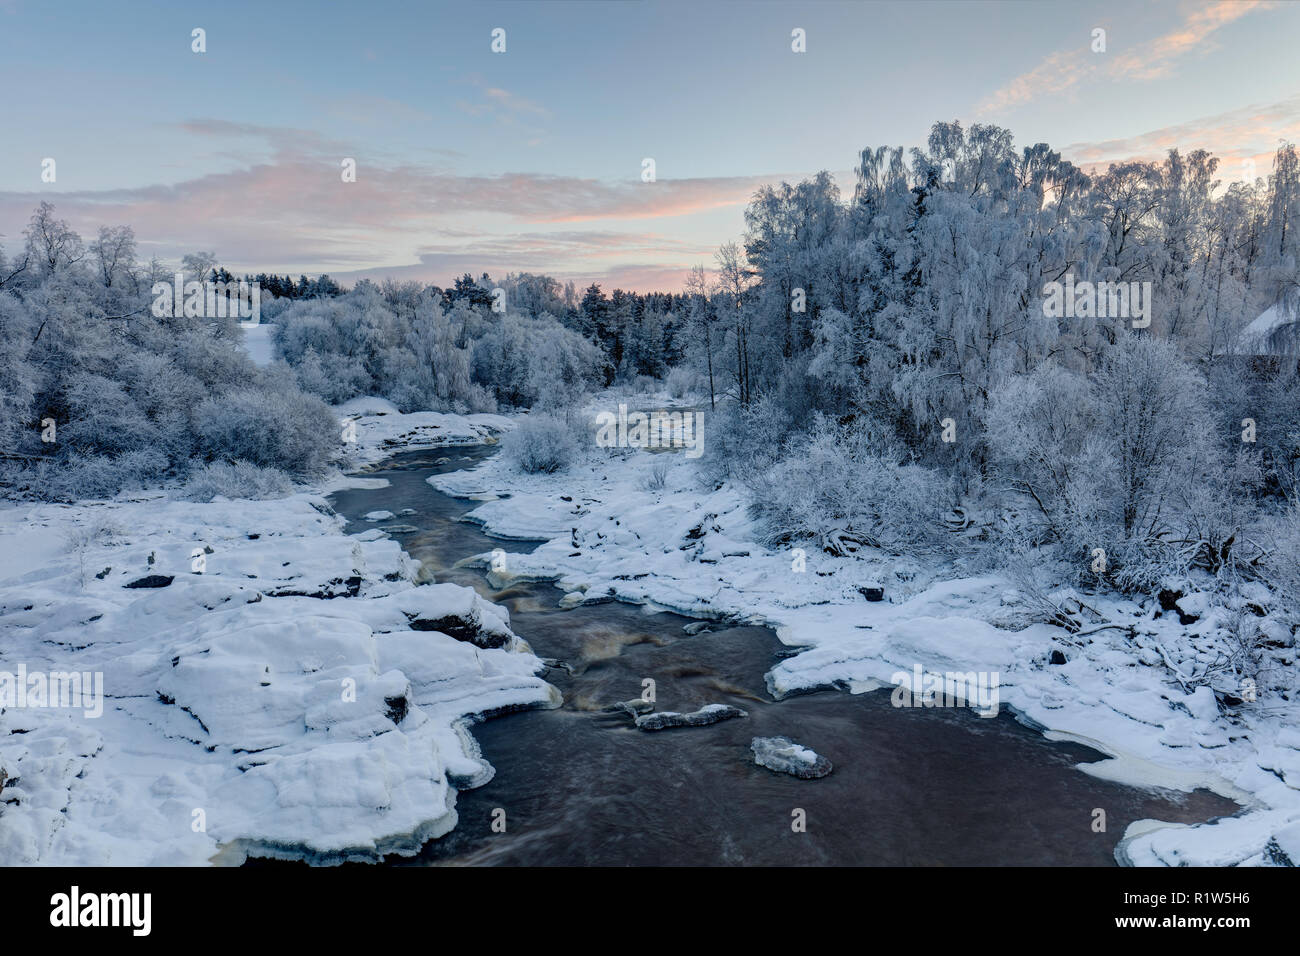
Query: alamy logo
[
  {"x": 1102, "y": 300},
  {"x": 208, "y": 300},
  {"x": 103, "y": 909},
  {"x": 974, "y": 689},
  {"x": 656, "y": 430},
  {"x": 55, "y": 689}
]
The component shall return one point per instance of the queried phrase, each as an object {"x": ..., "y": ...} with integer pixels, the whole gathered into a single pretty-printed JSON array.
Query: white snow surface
[
  {"x": 693, "y": 551},
  {"x": 382, "y": 430},
  {"x": 259, "y": 343},
  {"x": 236, "y": 722},
  {"x": 1259, "y": 337}
]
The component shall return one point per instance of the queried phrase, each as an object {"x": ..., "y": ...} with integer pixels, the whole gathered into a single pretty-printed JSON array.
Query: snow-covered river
[{"x": 581, "y": 786}]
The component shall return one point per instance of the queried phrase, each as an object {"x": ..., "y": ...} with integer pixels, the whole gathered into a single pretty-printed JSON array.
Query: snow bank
[
  {"x": 289, "y": 692},
  {"x": 381, "y": 430}
]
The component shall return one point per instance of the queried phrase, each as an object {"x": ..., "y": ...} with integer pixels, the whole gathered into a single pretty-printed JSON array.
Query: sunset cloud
[
  {"x": 1064, "y": 70},
  {"x": 1251, "y": 133},
  {"x": 294, "y": 213}
]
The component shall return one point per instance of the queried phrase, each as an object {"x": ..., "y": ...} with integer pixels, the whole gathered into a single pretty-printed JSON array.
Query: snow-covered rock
[
  {"x": 708, "y": 714},
  {"x": 785, "y": 756},
  {"x": 381, "y": 430},
  {"x": 632, "y": 708}
]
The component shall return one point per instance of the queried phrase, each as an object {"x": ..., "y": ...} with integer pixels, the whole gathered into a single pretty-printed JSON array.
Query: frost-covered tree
[
  {"x": 51, "y": 242},
  {"x": 113, "y": 251}
]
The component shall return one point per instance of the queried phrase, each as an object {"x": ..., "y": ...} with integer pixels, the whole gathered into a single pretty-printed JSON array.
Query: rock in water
[
  {"x": 632, "y": 708},
  {"x": 702, "y": 717},
  {"x": 785, "y": 756}
]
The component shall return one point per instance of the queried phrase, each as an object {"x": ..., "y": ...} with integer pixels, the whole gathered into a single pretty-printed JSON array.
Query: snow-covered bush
[
  {"x": 1125, "y": 462},
  {"x": 1157, "y": 426},
  {"x": 237, "y": 480},
  {"x": 683, "y": 381},
  {"x": 94, "y": 476},
  {"x": 535, "y": 361},
  {"x": 18, "y": 377},
  {"x": 540, "y": 443},
  {"x": 744, "y": 440},
  {"x": 1037, "y": 428},
  {"x": 844, "y": 488},
  {"x": 332, "y": 376},
  {"x": 657, "y": 477},
  {"x": 1279, "y": 568},
  {"x": 285, "y": 429},
  {"x": 98, "y": 395}
]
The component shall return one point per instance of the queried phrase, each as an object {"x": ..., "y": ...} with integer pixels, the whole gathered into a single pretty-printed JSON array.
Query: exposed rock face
[
  {"x": 150, "y": 581},
  {"x": 1169, "y": 602},
  {"x": 335, "y": 587},
  {"x": 470, "y": 631},
  {"x": 785, "y": 756},
  {"x": 701, "y": 718}
]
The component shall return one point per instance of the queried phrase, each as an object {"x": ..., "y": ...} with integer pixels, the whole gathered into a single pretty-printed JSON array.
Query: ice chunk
[
  {"x": 710, "y": 714},
  {"x": 785, "y": 756}
]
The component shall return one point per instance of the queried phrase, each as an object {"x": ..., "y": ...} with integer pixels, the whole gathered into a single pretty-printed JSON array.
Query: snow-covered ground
[
  {"x": 259, "y": 342},
  {"x": 283, "y": 689},
  {"x": 296, "y": 697},
  {"x": 682, "y": 548}
]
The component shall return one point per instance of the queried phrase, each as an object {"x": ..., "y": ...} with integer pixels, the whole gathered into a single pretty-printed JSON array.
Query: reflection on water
[{"x": 922, "y": 787}]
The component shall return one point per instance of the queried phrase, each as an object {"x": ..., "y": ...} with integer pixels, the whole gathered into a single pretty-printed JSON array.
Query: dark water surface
[{"x": 916, "y": 787}]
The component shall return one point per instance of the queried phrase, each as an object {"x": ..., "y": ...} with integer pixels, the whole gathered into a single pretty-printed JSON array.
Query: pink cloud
[
  {"x": 1250, "y": 133},
  {"x": 1064, "y": 70},
  {"x": 288, "y": 209}
]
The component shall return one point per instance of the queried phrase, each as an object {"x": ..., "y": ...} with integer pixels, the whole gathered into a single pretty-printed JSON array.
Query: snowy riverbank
[
  {"x": 288, "y": 691},
  {"x": 229, "y": 729},
  {"x": 610, "y": 534}
]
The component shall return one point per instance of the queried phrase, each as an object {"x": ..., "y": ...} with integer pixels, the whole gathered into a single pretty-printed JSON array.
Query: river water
[{"x": 916, "y": 787}]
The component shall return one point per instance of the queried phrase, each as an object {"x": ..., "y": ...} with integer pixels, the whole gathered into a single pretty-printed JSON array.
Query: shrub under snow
[
  {"x": 238, "y": 480},
  {"x": 846, "y": 490},
  {"x": 288, "y": 430},
  {"x": 540, "y": 444}
]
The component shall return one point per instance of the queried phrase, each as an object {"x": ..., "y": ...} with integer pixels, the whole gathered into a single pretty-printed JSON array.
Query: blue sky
[{"x": 531, "y": 160}]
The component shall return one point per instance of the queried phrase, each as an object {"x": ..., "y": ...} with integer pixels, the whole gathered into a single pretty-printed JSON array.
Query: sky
[{"x": 531, "y": 159}]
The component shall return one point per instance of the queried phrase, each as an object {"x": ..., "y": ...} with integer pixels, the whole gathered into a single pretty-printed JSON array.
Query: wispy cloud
[
  {"x": 638, "y": 261},
  {"x": 291, "y": 210},
  {"x": 1064, "y": 70},
  {"x": 1238, "y": 137},
  {"x": 511, "y": 103},
  {"x": 508, "y": 109}
]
